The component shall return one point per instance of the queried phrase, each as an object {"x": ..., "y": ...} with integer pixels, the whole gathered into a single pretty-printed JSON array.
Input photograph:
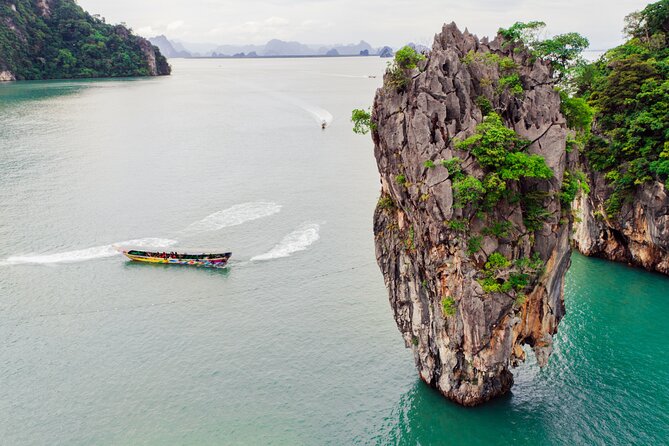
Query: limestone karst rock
[
  {"x": 638, "y": 234},
  {"x": 433, "y": 253}
]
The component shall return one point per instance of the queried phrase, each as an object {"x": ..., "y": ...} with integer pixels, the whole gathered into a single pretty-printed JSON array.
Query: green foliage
[
  {"x": 534, "y": 212},
  {"x": 500, "y": 275},
  {"x": 448, "y": 306},
  {"x": 629, "y": 89},
  {"x": 401, "y": 179},
  {"x": 509, "y": 76},
  {"x": 498, "y": 229},
  {"x": 398, "y": 72},
  {"x": 577, "y": 112},
  {"x": 520, "y": 299},
  {"x": 496, "y": 261},
  {"x": 429, "y": 164},
  {"x": 424, "y": 197},
  {"x": 468, "y": 190},
  {"x": 386, "y": 203},
  {"x": 650, "y": 21},
  {"x": 484, "y": 104},
  {"x": 492, "y": 142},
  {"x": 572, "y": 183},
  {"x": 511, "y": 83},
  {"x": 454, "y": 167},
  {"x": 519, "y": 165},
  {"x": 522, "y": 32},
  {"x": 499, "y": 149},
  {"x": 474, "y": 244},
  {"x": 407, "y": 58},
  {"x": 396, "y": 77},
  {"x": 459, "y": 225},
  {"x": 362, "y": 121},
  {"x": 562, "y": 51},
  {"x": 68, "y": 43}
]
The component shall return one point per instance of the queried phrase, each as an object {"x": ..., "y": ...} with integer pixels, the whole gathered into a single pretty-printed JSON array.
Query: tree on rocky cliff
[{"x": 629, "y": 88}]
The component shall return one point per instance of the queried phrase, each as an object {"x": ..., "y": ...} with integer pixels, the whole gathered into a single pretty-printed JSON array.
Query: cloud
[
  {"x": 254, "y": 31},
  {"x": 380, "y": 22},
  {"x": 175, "y": 25}
]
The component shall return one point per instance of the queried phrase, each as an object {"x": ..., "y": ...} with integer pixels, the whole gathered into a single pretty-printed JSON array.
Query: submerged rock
[{"x": 465, "y": 337}]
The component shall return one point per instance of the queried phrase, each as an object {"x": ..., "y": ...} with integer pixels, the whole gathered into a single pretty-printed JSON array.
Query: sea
[{"x": 295, "y": 342}]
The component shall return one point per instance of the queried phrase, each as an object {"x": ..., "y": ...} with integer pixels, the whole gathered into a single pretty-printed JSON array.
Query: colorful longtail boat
[{"x": 175, "y": 258}]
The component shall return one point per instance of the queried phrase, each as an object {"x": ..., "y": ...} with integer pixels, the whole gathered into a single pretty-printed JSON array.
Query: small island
[{"x": 57, "y": 39}]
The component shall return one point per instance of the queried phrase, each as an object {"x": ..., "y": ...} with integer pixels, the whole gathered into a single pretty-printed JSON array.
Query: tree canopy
[{"x": 68, "y": 43}]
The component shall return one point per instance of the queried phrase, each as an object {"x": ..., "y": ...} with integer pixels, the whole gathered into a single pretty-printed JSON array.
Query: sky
[{"x": 379, "y": 22}]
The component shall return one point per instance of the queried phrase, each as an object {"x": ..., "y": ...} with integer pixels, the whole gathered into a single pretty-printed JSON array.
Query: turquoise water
[{"x": 295, "y": 343}]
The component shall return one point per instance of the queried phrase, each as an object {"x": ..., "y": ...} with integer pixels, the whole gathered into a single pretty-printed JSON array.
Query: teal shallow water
[{"x": 295, "y": 343}]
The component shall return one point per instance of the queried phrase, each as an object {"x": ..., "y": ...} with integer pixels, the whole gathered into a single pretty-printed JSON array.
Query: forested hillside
[{"x": 57, "y": 39}]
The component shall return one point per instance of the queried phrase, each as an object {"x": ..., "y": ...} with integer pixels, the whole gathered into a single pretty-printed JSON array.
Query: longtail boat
[{"x": 175, "y": 258}]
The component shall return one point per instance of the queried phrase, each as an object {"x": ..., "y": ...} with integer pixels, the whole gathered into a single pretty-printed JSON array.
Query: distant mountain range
[{"x": 273, "y": 48}]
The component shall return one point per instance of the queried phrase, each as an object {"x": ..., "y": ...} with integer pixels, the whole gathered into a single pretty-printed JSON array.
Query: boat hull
[{"x": 217, "y": 262}]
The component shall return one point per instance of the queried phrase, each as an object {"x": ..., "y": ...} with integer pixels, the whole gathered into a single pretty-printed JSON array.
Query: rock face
[
  {"x": 466, "y": 353},
  {"x": 6, "y": 76},
  {"x": 637, "y": 235}
]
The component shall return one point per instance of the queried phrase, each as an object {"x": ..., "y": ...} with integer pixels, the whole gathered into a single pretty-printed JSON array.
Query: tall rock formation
[{"x": 470, "y": 286}]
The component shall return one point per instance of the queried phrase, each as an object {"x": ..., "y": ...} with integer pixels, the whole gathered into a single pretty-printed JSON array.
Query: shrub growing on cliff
[
  {"x": 408, "y": 58},
  {"x": 386, "y": 203},
  {"x": 562, "y": 51},
  {"x": 468, "y": 190},
  {"x": 572, "y": 183},
  {"x": 401, "y": 179},
  {"x": 501, "y": 151},
  {"x": 448, "y": 306},
  {"x": 474, "y": 244},
  {"x": 362, "y": 121},
  {"x": 454, "y": 167},
  {"x": 397, "y": 72}
]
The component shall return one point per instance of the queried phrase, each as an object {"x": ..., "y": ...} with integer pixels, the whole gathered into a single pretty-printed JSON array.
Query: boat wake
[
  {"x": 298, "y": 240},
  {"x": 319, "y": 114},
  {"x": 82, "y": 255},
  {"x": 235, "y": 215}
]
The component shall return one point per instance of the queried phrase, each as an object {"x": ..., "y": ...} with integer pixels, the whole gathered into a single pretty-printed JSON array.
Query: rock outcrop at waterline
[
  {"x": 452, "y": 271},
  {"x": 638, "y": 234}
]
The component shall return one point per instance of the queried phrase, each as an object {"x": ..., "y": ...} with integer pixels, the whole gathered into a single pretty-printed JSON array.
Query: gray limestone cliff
[
  {"x": 637, "y": 235},
  {"x": 433, "y": 253}
]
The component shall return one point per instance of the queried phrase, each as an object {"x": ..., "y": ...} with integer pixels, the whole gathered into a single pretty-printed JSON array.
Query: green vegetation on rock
[
  {"x": 59, "y": 40},
  {"x": 501, "y": 152},
  {"x": 448, "y": 306},
  {"x": 398, "y": 71},
  {"x": 362, "y": 121},
  {"x": 629, "y": 90}
]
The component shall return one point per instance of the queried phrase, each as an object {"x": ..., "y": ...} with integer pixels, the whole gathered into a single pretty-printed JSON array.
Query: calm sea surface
[{"x": 295, "y": 343}]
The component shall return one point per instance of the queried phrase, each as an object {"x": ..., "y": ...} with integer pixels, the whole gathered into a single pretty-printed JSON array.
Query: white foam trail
[
  {"x": 320, "y": 115},
  {"x": 298, "y": 240},
  {"x": 235, "y": 215},
  {"x": 82, "y": 255}
]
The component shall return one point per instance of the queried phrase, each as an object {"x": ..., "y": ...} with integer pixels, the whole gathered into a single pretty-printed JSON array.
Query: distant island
[
  {"x": 273, "y": 48},
  {"x": 57, "y": 39}
]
